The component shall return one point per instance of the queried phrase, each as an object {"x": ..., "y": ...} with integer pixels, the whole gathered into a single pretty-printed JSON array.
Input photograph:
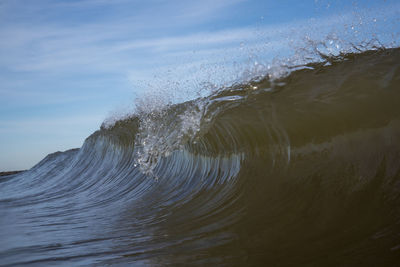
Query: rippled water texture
[{"x": 304, "y": 170}]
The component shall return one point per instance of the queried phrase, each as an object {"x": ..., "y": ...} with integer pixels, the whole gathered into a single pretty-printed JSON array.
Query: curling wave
[{"x": 302, "y": 169}]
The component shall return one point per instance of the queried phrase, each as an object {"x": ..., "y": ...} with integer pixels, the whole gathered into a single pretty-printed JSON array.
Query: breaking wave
[{"x": 297, "y": 169}]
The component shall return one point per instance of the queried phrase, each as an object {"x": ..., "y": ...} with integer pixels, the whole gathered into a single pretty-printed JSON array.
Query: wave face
[{"x": 304, "y": 170}]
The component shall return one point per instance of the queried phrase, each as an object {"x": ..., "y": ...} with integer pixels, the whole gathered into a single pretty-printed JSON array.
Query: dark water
[{"x": 301, "y": 171}]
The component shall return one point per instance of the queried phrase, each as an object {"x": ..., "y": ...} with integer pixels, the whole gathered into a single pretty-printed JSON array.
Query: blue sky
[{"x": 65, "y": 66}]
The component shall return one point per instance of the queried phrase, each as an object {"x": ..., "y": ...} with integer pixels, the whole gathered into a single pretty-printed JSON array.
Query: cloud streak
[{"x": 115, "y": 46}]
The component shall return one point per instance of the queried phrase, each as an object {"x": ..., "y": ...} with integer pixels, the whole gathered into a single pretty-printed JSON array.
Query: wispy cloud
[{"x": 119, "y": 45}]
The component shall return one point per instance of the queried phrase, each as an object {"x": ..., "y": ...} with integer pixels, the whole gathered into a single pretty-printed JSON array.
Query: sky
[{"x": 68, "y": 65}]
